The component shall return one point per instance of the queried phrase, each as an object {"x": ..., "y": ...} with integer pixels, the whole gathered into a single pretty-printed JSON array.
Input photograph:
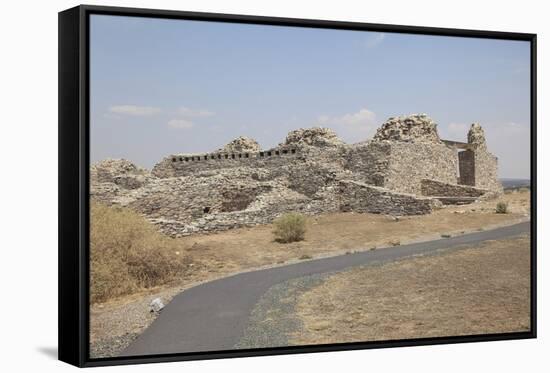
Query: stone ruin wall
[
  {"x": 486, "y": 171},
  {"x": 485, "y": 163},
  {"x": 410, "y": 163},
  {"x": 434, "y": 188},
  {"x": 311, "y": 172},
  {"x": 186, "y": 164},
  {"x": 369, "y": 162},
  {"x": 361, "y": 197},
  {"x": 413, "y": 151}
]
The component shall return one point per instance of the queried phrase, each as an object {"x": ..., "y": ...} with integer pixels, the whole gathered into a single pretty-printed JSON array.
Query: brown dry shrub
[
  {"x": 290, "y": 227},
  {"x": 128, "y": 254},
  {"x": 502, "y": 208}
]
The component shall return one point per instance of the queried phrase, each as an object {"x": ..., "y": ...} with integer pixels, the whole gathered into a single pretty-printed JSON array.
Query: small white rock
[{"x": 156, "y": 305}]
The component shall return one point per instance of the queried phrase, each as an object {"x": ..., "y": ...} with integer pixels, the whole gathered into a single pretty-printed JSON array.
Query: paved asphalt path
[{"x": 213, "y": 316}]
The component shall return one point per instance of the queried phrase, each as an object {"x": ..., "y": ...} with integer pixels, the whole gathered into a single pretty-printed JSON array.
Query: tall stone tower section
[
  {"x": 415, "y": 152},
  {"x": 485, "y": 164}
]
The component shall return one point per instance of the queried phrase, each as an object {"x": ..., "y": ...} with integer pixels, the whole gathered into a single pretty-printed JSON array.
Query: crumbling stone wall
[
  {"x": 316, "y": 136},
  {"x": 188, "y": 164},
  {"x": 408, "y": 128},
  {"x": 486, "y": 164},
  {"x": 412, "y": 151},
  {"x": 120, "y": 172},
  {"x": 404, "y": 170},
  {"x": 410, "y": 163},
  {"x": 486, "y": 172},
  {"x": 241, "y": 144},
  {"x": 362, "y": 197},
  {"x": 438, "y": 188},
  {"x": 369, "y": 162}
]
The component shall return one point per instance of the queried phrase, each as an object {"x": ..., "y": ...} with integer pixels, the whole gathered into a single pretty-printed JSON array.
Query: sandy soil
[
  {"x": 217, "y": 255},
  {"x": 476, "y": 290},
  {"x": 337, "y": 233}
]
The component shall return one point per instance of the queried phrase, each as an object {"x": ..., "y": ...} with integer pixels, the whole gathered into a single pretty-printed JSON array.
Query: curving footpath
[{"x": 213, "y": 316}]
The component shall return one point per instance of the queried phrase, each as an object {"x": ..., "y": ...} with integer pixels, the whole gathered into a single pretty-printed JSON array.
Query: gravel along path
[{"x": 273, "y": 319}]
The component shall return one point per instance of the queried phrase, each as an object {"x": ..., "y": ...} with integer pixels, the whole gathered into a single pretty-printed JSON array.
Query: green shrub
[
  {"x": 290, "y": 228},
  {"x": 127, "y": 254},
  {"x": 502, "y": 208}
]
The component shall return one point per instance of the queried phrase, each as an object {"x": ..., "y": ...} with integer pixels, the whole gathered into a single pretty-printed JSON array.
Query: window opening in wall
[
  {"x": 261, "y": 154},
  {"x": 240, "y": 155},
  {"x": 186, "y": 159},
  {"x": 206, "y": 210},
  {"x": 246, "y": 155},
  {"x": 174, "y": 159},
  {"x": 226, "y": 156},
  {"x": 285, "y": 151},
  {"x": 269, "y": 154},
  {"x": 276, "y": 152},
  {"x": 293, "y": 151},
  {"x": 233, "y": 156},
  {"x": 181, "y": 159},
  {"x": 219, "y": 156}
]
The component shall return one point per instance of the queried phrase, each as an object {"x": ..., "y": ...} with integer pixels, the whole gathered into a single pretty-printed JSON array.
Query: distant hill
[{"x": 509, "y": 183}]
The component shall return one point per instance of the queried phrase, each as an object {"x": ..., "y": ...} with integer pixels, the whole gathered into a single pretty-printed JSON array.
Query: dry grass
[
  {"x": 502, "y": 208},
  {"x": 477, "y": 290},
  {"x": 127, "y": 254},
  {"x": 334, "y": 234},
  {"x": 218, "y": 254},
  {"x": 225, "y": 253},
  {"x": 289, "y": 228}
]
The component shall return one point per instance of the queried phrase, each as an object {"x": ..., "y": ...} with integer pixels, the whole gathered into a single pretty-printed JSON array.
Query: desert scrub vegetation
[
  {"x": 289, "y": 227},
  {"x": 502, "y": 208},
  {"x": 128, "y": 254}
]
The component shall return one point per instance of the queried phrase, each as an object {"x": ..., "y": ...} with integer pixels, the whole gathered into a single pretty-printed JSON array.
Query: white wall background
[{"x": 28, "y": 186}]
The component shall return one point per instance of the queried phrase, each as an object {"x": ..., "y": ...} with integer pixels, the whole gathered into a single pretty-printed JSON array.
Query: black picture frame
[{"x": 74, "y": 164}]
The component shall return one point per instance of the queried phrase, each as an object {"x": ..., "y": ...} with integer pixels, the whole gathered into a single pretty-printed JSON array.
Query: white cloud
[
  {"x": 180, "y": 124},
  {"x": 353, "y": 127},
  {"x": 194, "y": 113},
  {"x": 184, "y": 116},
  {"x": 134, "y": 110},
  {"x": 374, "y": 39}
]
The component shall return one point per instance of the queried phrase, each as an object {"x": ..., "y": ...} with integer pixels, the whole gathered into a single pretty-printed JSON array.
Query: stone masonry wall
[
  {"x": 410, "y": 163},
  {"x": 311, "y": 172},
  {"x": 486, "y": 171},
  {"x": 486, "y": 164},
  {"x": 437, "y": 188},
  {"x": 369, "y": 162},
  {"x": 187, "y": 164},
  {"x": 360, "y": 197}
]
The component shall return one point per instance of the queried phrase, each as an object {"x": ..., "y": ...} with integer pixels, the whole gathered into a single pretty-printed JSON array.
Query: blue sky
[{"x": 169, "y": 86}]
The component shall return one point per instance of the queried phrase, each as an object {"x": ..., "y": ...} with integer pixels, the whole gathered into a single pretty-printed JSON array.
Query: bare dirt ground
[
  {"x": 476, "y": 290},
  {"x": 115, "y": 323}
]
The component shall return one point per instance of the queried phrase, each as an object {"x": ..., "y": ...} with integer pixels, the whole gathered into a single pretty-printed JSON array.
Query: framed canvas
[{"x": 235, "y": 186}]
